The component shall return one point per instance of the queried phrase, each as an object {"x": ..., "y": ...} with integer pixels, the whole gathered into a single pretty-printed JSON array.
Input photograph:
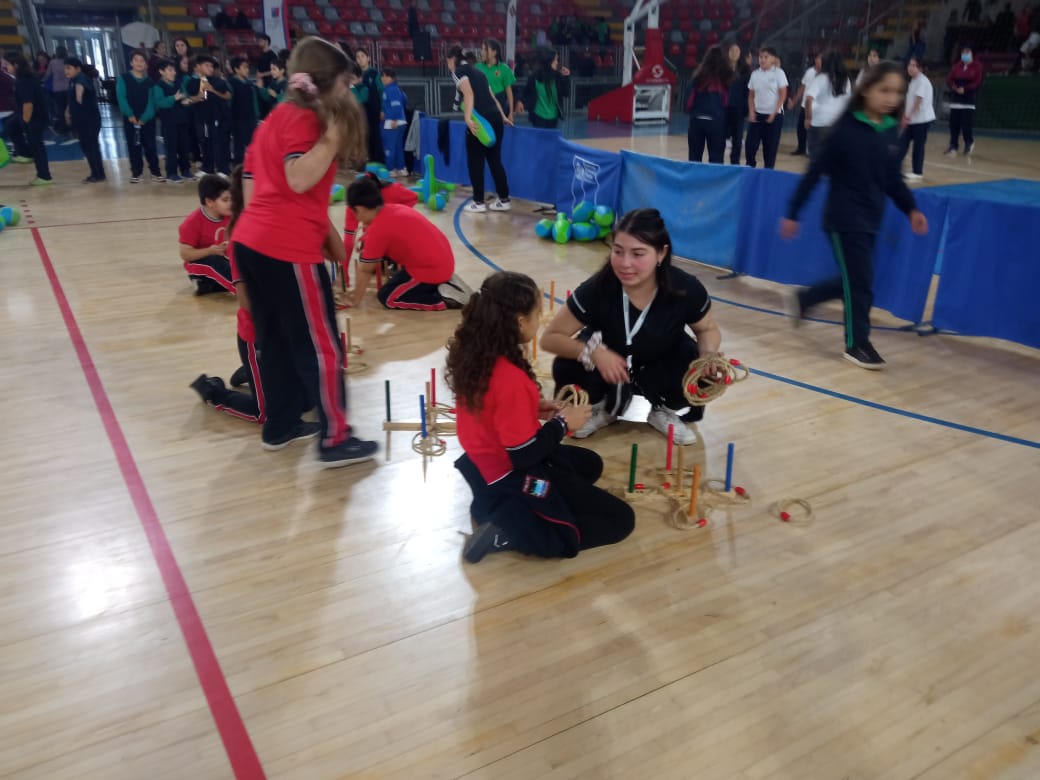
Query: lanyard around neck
[{"x": 630, "y": 330}]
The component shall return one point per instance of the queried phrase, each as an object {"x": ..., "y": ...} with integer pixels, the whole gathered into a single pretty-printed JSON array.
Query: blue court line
[{"x": 787, "y": 380}]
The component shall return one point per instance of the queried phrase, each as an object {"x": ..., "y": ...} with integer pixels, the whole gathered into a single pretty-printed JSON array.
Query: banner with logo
[
  {"x": 276, "y": 24},
  {"x": 586, "y": 174}
]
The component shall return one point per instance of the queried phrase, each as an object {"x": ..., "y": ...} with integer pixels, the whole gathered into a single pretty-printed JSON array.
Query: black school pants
[
  {"x": 298, "y": 339},
  {"x": 764, "y": 133},
  {"x": 660, "y": 382},
  {"x": 854, "y": 253},
  {"x": 707, "y": 131},
  {"x": 90, "y": 145},
  {"x": 250, "y": 406},
  {"x": 404, "y": 292},
  {"x": 38, "y": 149},
  {"x": 213, "y": 273},
  {"x": 962, "y": 121},
  {"x": 242, "y": 131},
  {"x": 177, "y": 139},
  {"x": 802, "y": 133},
  {"x": 735, "y": 116},
  {"x": 918, "y": 136},
  {"x": 140, "y": 145},
  {"x": 477, "y": 154},
  {"x": 214, "y": 145}
]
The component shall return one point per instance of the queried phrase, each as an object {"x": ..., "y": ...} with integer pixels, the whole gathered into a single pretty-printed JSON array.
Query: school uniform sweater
[
  {"x": 244, "y": 105},
  {"x": 170, "y": 111},
  {"x": 708, "y": 98},
  {"x": 861, "y": 158},
  {"x": 135, "y": 97}
]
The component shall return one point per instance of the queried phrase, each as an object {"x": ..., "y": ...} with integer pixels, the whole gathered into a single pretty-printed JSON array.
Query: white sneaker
[
  {"x": 599, "y": 419},
  {"x": 970, "y": 149},
  {"x": 660, "y": 418},
  {"x": 951, "y": 152},
  {"x": 199, "y": 173},
  {"x": 455, "y": 292},
  {"x": 501, "y": 205},
  {"x": 913, "y": 176},
  {"x": 476, "y": 208}
]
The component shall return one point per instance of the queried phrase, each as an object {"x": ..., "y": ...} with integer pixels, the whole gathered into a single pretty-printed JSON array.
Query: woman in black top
[
  {"x": 475, "y": 94},
  {"x": 631, "y": 322},
  {"x": 542, "y": 92},
  {"x": 736, "y": 105},
  {"x": 706, "y": 104},
  {"x": 860, "y": 157},
  {"x": 31, "y": 109}
]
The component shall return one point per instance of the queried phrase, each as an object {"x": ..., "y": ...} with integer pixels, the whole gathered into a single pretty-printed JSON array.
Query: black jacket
[{"x": 862, "y": 162}]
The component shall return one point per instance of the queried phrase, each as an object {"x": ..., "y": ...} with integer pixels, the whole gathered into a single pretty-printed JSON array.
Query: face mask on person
[{"x": 965, "y": 58}]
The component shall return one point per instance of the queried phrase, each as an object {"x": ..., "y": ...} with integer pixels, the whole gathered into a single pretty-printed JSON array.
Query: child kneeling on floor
[
  {"x": 425, "y": 279},
  {"x": 203, "y": 238}
]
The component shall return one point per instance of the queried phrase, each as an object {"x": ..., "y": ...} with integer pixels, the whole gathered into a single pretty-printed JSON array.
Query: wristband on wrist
[{"x": 585, "y": 358}]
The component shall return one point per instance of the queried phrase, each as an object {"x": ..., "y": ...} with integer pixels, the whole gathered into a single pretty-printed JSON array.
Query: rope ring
[
  {"x": 707, "y": 378},
  {"x": 781, "y": 507},
  {"x": 429, "y": 446},
  {"x": 572, "y": 395},
  {"x": 716, "y": 488}
]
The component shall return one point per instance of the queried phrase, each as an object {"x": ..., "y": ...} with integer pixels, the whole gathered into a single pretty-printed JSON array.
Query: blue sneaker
[{"x": 174, "y": 179}]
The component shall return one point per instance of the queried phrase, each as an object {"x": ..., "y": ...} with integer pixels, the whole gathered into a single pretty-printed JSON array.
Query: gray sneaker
[{"x": 599, "y": 419}]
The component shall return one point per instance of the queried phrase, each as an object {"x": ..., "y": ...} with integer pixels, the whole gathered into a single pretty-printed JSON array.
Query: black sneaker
[
  {"x": 349, "y": 452},
  {"x": 302, "y": 430},
  {"x": 240, "y": 378},
  {"x": 865, "y": 357},
  {"x": 793, "y": 307},
  {"x": 208, "y": 388},
  {"x": 487, "y": 539}
]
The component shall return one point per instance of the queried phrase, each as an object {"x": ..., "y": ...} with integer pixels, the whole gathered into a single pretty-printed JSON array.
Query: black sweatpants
[
  {"x": 707, "y": 131},
  {"x": 735, "y": 116},
  {"x": 242, "y": 131},
  {"x": 404, "y": 292},
  {"x": 298, "y": 339},
  {"x": 854, "y": 253},
  {"x": 246, "y": 406},
  {"x": 90, "y": 145},
  {"x": 544, "y": 124},
  {"x": 660, "y": 383},
  {"x": 801, "y": 133},
  {"x": 177, "y": 139},
  {"x": 214, "y": 146},
  {"x": 918, "y": 136},
  {"x": 213, "y": 273},
  {"x": 34, "y": 135},
  {"x": 140, "y": 145},
  {"x": 766, "y": 134},
  {"x": 477, "y": 154},
  {"x": 601, "y": 518},
  {"x": 962, "y": 121}
]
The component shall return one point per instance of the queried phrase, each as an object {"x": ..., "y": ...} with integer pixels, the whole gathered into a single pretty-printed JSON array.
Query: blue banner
[
  {"x": 903, "y": 263},
  {"x": 699, "y": 202},
  {"x": 990, "y": 283},
  {"x": 586, "y": 174},
  {"x": 528, "y": 155}
]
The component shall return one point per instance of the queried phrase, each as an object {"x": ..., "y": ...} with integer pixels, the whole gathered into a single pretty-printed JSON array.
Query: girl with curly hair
[{"x": 531, "y": 493}]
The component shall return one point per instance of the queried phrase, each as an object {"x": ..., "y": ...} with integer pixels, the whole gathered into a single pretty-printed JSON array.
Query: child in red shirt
[
  {"x": 280, "y": 245},
  {"x": 392, "y": 193},
  {"x": 425, "y": 279},
  {"x": 203, "y": 238},
  {"x": 246, "y": 406},
  {"x": 531, "y": 493}
]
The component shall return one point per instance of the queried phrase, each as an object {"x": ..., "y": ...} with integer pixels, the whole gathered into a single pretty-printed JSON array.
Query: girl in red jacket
[{"x": 964, "y": 81}]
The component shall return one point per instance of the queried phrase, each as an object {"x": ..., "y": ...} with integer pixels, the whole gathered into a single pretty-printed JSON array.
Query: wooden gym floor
[{"x": 177, "y": 603}]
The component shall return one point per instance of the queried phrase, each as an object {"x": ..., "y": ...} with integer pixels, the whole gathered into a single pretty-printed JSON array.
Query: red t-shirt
[
  {"x": 405, "y": 236},
  {"x": 246, "y": 328},
  {"x": 508, "y": 418},
  {"x": 395, "y": 193},
  {"x": 278, "y": 222},
  {"x": 199, "y": 230}
]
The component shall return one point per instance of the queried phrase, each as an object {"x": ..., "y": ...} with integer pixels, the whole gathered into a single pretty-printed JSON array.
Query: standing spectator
[
  {"x": 134, "y": 93},
  {"x": 43, "y": 61},
  {"x": 32, "y": 104},
  {"x": 1003, "y": 29},
  {"x": 181, "y": 48},
  {"x": 59, "y": 89},
  {"x": 799, "y": 100},
  {"x": 395, "y": 123},
  {"x": 85, "y": 117},
  {"x": 371, "y": 89},
  {"x": 172, "y": 105},
  {"x": 413, "y": 22},
  {"x": 267, "y": 58},
  {"x": 972, "y": 11},
  {"x": 499, "y": 75},
  {"x": 541, "y": 95},
  {"x": 222, "y": 21},
  {"x": 706, "y": 105},
  {"x": 159, "y": 53},
  {"x": 767, "y": 90},
  {"x": 736, "y": 105},
  {"x": 826, "y": 99},
  {"x": 7, "y": 103},
  {"x": 917, "y": 118},
  {"x": 918, "y": 44},
  {"x": 964, "y": 81},
  {"x": 242, "y": 21},
  {"x": 245, "y": 108},
  {"x": 873, "y": 58}
]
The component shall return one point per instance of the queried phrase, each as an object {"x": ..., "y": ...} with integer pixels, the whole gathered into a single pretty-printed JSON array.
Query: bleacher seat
[
  {"x": 205, "y": 24},
  {"x": 396, "y": 5},
  {"x": 299, "y": 12},
  {"x": 213, "y": 9},
  {"x": 331, "y": 14},
  {"x": 357, "y": 28},
  {"x": 372, "y": 29},
  {"x": 197, "y": 11},
  {"x": 309, "y": 27}
]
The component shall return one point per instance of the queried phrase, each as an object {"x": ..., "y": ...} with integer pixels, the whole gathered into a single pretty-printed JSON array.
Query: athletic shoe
[
  {"x": 970, "y": 149},
  {"x": 240, "y": 378},
  {"x": 599, "y": 419},
  {"x": 349, "y": 452},
  {"x": 22, "y": 160},
  {"x": 92, "y": 180},
  {"x": 38, "y": 182},
  {"x": 501, "y": 205},
  {"x": 209, "y": 388},
  {"x": 200, "y": 173},
  {"x": 174, "y": 179},
  {"x": 488, "y": 538},
  {"x": 913, "y": 176},
  {"x": 798, "y": 153},
  {"x": 793, "y": 306},
  {"x": 159, "y": 179},
  {"x": 302, "y": 430},
  {"x": 661, "y": 417},
  {"x": 865, "y": 357},
  {"x": 135, "y": 179},
  {"x": 455, "y": 292},
  {"x": 951, "y": 152},
  {"x": 476, "y": 208}
]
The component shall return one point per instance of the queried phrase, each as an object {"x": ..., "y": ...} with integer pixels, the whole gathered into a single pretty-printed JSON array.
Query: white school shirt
[
  {"x": 920, "y": 87},
  {"x": 766, "y": 85},
  {"x": 826, "y": 106},
  {"x": 807, "y": 79}
]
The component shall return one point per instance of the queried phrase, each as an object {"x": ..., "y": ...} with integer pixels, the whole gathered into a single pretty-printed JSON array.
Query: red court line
[
  {"x": 103, "y": 222},
  {"x": 239, "y": 747}
]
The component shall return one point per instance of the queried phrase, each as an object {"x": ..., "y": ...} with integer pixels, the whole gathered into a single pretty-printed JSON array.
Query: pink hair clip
[{"x": 303, "y": 82}]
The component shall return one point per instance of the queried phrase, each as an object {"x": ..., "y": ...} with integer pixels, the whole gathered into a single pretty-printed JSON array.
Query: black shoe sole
[
  {"x": 863, "y": 364},
  {"x": 271, "y": 447},
  {"x": 336, "y": 464},
  {"x": 481, "y": 543}
]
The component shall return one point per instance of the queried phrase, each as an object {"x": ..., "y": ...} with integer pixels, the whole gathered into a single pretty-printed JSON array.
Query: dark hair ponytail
[
  {"x": 646, "y": 226},
  {"x": 489, "y": 329},
  {"x": 872, "y": 76}
]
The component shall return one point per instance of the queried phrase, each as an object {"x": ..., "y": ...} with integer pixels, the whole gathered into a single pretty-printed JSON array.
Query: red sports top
[
  {"x": 395, "y": 193},
  {"x": 508, "y": 419},
  {"x": 278, "y": 222},
  {"x": 246, "y": 328},
  {"x": 199, "y": 230},
  {"x": 405, "y": 236}
]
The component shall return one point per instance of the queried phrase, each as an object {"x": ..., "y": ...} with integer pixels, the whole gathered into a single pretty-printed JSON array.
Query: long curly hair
[{"x": 489, "y": 329}]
